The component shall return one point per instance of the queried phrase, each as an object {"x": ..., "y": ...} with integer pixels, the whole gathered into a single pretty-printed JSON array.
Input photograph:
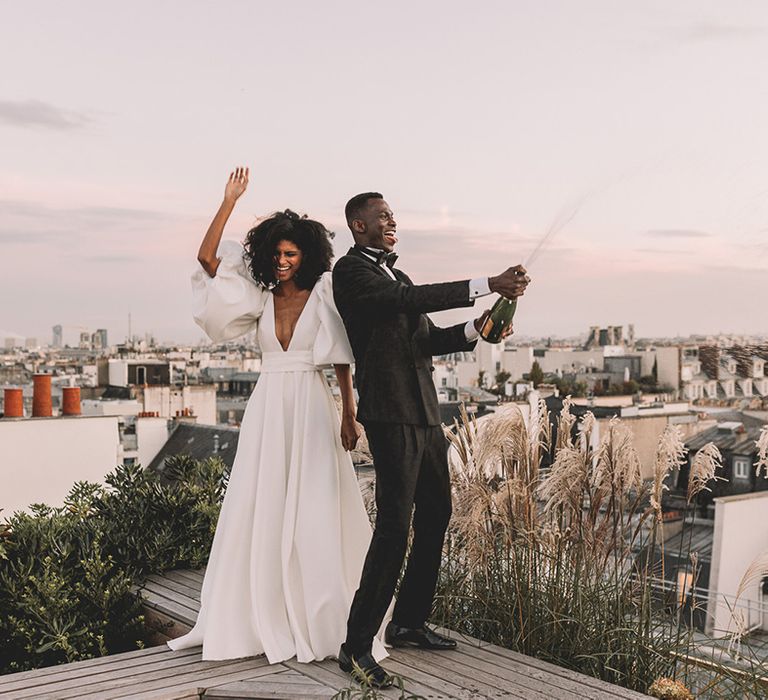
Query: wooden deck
[{"x": 474, "y": 670}]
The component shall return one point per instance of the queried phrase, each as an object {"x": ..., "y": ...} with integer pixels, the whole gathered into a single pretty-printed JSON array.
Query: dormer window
[{"x": 741, "y": 468}]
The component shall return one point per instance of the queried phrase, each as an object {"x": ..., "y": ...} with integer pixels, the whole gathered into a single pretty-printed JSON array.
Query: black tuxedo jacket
[{"x": 392, "y": 340}]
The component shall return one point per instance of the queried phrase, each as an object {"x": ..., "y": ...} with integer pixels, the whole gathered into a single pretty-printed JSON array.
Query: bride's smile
[{"x": 287, "y": 260}]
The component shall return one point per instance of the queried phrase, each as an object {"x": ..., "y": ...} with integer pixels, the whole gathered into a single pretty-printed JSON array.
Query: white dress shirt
[{"x": 478, "y": 287}]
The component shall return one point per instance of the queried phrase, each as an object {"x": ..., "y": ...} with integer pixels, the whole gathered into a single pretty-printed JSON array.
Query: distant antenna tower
[{"x": 130, "y": 337}]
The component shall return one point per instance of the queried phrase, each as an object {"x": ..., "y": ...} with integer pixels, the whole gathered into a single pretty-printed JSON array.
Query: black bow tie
[{"x": 381, "y": 257}]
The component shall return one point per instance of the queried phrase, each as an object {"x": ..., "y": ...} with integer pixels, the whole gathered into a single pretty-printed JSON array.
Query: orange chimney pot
[
  {"x": 70, "y": 402},
  {"x": 14, "y": 403},
  {"x": 42, "y": 406}
]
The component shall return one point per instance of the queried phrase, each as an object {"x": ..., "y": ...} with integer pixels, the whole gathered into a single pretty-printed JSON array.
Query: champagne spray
[{"x": 503, "y": 311}]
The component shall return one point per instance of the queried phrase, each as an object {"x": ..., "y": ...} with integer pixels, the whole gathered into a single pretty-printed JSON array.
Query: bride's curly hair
[{"x": 310, "y": 236}]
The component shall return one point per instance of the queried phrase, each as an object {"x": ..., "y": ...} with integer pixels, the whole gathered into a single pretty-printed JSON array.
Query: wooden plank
[
  {"x": 438, "y": 684},
  {"x": 528, "y": 676},
  {"x": 165, "y": 694},
  {"x": 194, "y": 577},
  {"x": 590, "y": 681},
  {"x": 558, "y": 686},
  {"x": 160, "y": 589},
  {"x": 410, "y": 683},
  {"x": 285, "y": 694},
  {"x": 180, "y": 583},
  {"x": 159, "y": 600},
  {"x": 328, "y": 673},
  {"x": 285, "y": 674},
  {"x": 181, "y": 587},
  {"x": 275, "y": 682},
  {"x": 196, "y": 676},
  {"x": 173, "y": 614},
  {"x": 178, "y": 612},
  {"x": 60, "y": 668},
  {"x": 269, "y": 689},
  {"x": 199, "y": 687},
  {"x": 189, "y": 573},
  {"x": 165, "y": 664},
  {"x": 181, "y": 693},
  {"x": 78, "y": 669},
  {"x": 171, "y": 591},
  {"x": 441, "y": 666}
]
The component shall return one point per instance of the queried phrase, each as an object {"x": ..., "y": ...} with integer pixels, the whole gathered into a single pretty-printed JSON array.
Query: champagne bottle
[{"x": 500, "y": 317}]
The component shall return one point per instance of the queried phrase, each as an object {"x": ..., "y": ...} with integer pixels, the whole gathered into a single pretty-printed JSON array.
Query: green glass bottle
[{"x": 500, "y": 317}]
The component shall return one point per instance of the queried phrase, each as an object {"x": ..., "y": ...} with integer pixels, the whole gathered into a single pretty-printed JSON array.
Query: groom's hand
[
  {"x": 350, "y": 432},
  {"x": 511, "y": 283}
]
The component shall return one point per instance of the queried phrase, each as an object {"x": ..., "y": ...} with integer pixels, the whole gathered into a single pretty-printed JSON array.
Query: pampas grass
[
  {"x": 762, "y": 452},
  {"x": 670, "y": 455},
  {"x": 542, "y": 563},
  {"x": 703, "y": 467},
  {"x": 754, "y": 574},
  {"x": 559, "y": 563}
]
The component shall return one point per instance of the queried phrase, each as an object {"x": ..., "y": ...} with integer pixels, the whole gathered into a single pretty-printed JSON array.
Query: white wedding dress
[{"x": 293, "y": 532}]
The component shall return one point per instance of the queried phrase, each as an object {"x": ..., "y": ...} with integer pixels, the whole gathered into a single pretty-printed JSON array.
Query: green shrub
[
  {"x": 67, "y": 574},
  {"x": 63, "y": 596},
  {"x": 154, "y": 522}
]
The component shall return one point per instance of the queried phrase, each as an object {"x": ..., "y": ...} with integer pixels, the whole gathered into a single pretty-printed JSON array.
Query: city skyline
[
  {"x": 482, "y": 126},
  {"x": 79, "y": 336}
]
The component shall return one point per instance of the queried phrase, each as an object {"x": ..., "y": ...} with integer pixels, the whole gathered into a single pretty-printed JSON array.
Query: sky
[{"x": 639, "y": 126}]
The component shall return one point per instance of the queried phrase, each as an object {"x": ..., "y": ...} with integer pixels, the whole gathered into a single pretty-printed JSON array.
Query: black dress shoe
[
  {"x": 364, "y": 669},
  {"x": 422, "y": 637}
]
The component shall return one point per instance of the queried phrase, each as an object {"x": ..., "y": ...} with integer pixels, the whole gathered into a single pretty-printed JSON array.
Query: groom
[{"x": 393, "y": 342}]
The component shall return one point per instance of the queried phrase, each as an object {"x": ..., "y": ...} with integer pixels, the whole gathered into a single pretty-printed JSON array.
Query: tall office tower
[{"x": 99, "y": 339}]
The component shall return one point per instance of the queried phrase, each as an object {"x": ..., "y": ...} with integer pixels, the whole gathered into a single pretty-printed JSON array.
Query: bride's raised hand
[{"x": 237, "y": 184}]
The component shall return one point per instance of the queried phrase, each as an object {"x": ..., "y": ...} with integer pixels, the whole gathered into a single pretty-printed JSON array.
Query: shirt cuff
[
  {"x": 470, "y": 332},
  {"x": 478, "y": 288}
]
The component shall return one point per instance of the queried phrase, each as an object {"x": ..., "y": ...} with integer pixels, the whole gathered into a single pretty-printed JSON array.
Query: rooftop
[
  {"x": 199, "y": 442},
  {"x": 735, "y": 432},
  {"x": 696, "y": 537}
]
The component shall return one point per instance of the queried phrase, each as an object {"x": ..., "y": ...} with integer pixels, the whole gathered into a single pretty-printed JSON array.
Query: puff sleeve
[
  {"x": 230, "y": 304},
  {"x": 331, "y": 344}
]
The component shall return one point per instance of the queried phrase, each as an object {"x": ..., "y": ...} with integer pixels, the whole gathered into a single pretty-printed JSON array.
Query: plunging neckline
[{"x": 296, "y": 325}]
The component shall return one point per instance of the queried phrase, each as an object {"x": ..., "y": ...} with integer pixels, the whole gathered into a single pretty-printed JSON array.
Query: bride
[{"x": 293, "y": 532}]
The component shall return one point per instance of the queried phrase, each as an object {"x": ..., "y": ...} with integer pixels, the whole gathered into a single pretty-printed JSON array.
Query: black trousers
[{"x": 411, "y": 465}]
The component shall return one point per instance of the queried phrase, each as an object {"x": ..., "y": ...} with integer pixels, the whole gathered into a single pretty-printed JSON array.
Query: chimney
[
  {"x": 70, "y": 402},
  {"x": 41, "y": 396},
  {"x": 13, "y": 406},
  {"x": 216, "y": 444}
]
